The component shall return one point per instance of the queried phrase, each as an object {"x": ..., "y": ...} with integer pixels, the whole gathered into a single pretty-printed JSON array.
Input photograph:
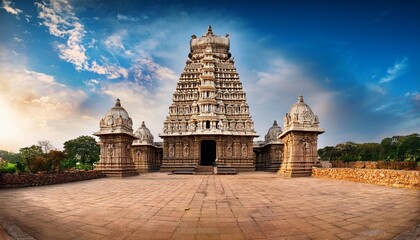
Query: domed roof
[
  {"x": 273, "y": 132},
  {"x": 199, "y": 45},
  {"x": 144, "y": 136},
  {"x": 116, "y": 120},
  {"x": 301, "y": 118},
  {"x": 301, "y": 111}
]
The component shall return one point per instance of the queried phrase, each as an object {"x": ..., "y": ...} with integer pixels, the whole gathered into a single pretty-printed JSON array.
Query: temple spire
[
  {"x": 209, "y": 30},
  {"x": 300, "y": 98},
  {"x": 118, "y": 103}
]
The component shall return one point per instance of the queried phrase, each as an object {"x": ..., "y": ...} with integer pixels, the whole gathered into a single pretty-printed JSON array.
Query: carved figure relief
[
  {"x": 171, "y": 150},
  {"x": 229, "y": 150},
  {"x": 110, "y": 150},
  {"x": 244, "y": 150},
  {"x": 186, "y": 150}
]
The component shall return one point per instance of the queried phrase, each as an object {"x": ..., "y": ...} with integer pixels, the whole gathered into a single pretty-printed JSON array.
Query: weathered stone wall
[
  {"x": 39, "y": 179},
  {"x": 376, "y": 165},
  {"x": 394, "y": 178}
]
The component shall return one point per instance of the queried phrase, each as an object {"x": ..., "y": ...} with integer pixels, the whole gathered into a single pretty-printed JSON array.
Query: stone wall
[
  {"x": 385, "y": 177},
  {"x": 377, "y": 165},
  {"x": 39, "y": 179}
]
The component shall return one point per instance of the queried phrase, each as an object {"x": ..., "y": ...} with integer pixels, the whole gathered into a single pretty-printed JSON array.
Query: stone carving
[
  {"x": 244, "y": 150},
  {"x": 229, "y": 150},
  {"x": 186, "y": 150},
  {"x": 171, "y": 150}
]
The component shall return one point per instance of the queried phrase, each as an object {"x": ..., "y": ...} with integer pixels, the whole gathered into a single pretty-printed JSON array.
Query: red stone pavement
[{"x": 244, "y": 206}]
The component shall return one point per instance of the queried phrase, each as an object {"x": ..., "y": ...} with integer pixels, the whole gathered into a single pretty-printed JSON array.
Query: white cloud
[
  {"x": 395, "y": 71},
  {"x": 58, "y": 16},
  {"x": 122, "y": 17},
  {"x": 144, "y": 104},
  {"x": 18, "y": 39},
  {"x": 35, "y": 106},
  {"x": 61, "y": 21},
  {"x": 114, "y": 42},
  {"x": 271, "y": 92},
  {"x": 7, "y": 5},
  {"x": 392, "y": 73}
]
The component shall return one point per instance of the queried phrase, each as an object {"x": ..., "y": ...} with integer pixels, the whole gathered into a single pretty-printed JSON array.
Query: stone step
[{"x": 204, "y": 168}]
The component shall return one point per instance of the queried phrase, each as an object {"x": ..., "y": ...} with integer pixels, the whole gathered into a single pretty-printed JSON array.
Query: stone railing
[
  {"x": 39, "y": 179},
  {"x": 385, "y": 177}
]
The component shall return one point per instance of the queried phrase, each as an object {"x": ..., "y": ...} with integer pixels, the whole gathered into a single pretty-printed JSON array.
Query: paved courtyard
[{"x": 243, "y": 206}]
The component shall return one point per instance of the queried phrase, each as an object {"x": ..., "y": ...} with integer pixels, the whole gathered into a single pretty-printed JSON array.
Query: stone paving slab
[{"x": 244, "y": 206}]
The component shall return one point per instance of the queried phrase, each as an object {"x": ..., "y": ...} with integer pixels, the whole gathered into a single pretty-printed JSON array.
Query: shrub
[
  {"x": 84, "y": 167},
  {"x": 67, "y": 164},
  {"x": 8, "y": 168}
]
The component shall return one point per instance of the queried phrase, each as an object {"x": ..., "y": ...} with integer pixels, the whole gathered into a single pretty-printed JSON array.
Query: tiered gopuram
[{"x": 209, "y": 118}]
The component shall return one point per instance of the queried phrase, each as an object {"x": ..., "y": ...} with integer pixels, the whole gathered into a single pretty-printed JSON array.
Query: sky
[{"x": 63, "y": 63}]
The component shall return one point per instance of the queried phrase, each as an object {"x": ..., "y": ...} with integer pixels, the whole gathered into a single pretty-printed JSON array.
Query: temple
[
  {"x": 209, "y": 118},
  {"x": 209, "y": 123}
]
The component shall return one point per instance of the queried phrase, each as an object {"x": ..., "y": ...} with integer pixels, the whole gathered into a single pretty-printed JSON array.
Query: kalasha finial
[
  {"x": 118, "y": 103},
  {"x": 209, "y": 30},
  {"x": 143, "y": 124},
  {"x": 275, "y": 123},
  {"x": 300, "y": 99}
]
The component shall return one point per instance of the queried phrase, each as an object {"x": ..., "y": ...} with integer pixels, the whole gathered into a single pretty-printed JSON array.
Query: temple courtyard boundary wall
[
  {"x": 384, "y": 177},
  {"x": 39, "y": 179}
]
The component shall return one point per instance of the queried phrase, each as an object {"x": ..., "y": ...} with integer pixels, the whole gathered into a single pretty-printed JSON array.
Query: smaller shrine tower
[
  {"x": 115, "y": 139},
  {"x": 300, "y": 137},
  {"x": 145, "y": 156}
]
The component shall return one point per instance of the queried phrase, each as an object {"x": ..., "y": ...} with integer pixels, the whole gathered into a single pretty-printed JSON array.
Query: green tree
[
  {"x": 409, "y": 150},
  {"x": 83, "y": 149},
  {"x": 31, "y": 157},
  {"x": 10, "y": 156}
]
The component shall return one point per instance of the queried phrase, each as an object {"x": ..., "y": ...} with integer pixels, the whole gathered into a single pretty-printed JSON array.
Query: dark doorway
[{"x": 208, "y": 152}]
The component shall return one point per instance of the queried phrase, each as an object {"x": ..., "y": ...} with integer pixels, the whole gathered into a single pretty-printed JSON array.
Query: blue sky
[{"x": 63, "y": 63}]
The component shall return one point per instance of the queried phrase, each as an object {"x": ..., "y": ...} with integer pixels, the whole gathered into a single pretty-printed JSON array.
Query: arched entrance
[{"x": 208, "y": 152}]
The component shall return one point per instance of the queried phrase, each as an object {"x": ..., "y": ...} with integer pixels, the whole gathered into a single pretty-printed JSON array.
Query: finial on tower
[
  {"x": 209, "y": 31},
  {"x": 275, "y": 123},
  {"x": 143, "y": 124},
  {"x": 118, "y": 103},
  {"x": 300, "y": 99}
]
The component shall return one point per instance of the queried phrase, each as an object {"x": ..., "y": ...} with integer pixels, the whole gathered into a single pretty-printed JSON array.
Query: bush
[
  {"x": 8, "y": 168},
  {"x": 20, "y": 167},
  {"x": 84, "y": 167},
  {"x": 67, "y": 164}
]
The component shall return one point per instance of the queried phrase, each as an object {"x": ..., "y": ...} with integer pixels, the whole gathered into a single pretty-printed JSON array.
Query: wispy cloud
[
  {"x": 62, "y": 22},
  {"x": 392, "y": 73},
  {"x": 114, "y": 41},
  {"x": 8, "y": 6},
  {"x": 122, "y": 17},
  {"x": 395, "y": 71}
]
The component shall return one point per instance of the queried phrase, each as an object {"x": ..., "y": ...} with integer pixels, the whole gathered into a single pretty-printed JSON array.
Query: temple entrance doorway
[{"x": 208, "y": 152}]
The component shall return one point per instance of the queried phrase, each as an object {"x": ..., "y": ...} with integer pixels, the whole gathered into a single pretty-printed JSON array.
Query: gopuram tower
[{"x": 209, "y": 118}]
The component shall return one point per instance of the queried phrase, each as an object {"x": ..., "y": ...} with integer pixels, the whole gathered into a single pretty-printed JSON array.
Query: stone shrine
[
  {"x": 300, "y": 137},
  {"x": 209, "y": 123},
  {"x": 115, "y": 139}
]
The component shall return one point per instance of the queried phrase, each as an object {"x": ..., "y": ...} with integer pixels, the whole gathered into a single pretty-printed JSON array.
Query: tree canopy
[
  {"x": 396, "y": 148},
  {"x": 82, "y": 149}
]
